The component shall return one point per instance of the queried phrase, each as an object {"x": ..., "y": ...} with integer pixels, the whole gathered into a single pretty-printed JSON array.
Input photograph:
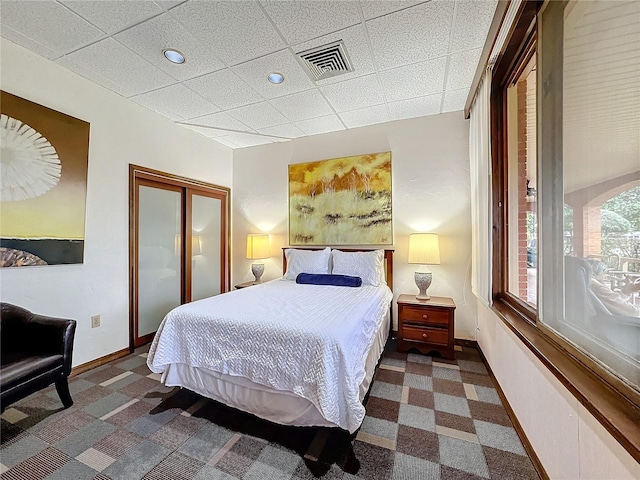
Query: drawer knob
[
  {"x": 425, "y": 316},
  {"x": 424, "y": 335}
]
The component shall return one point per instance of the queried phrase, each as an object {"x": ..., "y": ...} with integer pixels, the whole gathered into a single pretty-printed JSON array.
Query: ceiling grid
[{"x": 410, "y": 58}]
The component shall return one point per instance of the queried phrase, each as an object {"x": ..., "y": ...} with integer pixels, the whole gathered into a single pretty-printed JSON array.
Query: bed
[{"x": 294, "y": 354}]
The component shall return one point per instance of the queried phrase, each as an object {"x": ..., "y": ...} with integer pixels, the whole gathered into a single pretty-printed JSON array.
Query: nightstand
[
  {"x": 245, "y": 285},
  {"x": 426, "y": 325}
]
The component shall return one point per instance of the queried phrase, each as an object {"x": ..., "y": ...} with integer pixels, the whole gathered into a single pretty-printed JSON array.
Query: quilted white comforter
[{"x": 310, "y": 340}]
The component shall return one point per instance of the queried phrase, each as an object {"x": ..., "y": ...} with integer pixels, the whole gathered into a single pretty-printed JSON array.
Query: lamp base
[
  {"x": 423, "y": 281},
  {"x": 257, "y": 269}
]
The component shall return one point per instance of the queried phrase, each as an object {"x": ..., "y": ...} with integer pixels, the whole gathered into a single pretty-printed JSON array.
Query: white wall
[
  {"x": 569, "y": 441},
  {"x": 121, "y": 133},
  {"x": 431, "y": 193}
]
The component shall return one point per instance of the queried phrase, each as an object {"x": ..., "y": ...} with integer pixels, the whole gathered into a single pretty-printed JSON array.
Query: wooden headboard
[{"x": 388, "y": 259}]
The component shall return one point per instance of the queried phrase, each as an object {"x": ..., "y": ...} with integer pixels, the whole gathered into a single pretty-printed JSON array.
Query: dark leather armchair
[{"x": 35, "y": 352}]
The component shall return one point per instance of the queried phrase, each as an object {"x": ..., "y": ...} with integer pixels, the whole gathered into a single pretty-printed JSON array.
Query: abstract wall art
[
  {"x": 342, "y": 201},
  {"x": 44, "y": 184}
]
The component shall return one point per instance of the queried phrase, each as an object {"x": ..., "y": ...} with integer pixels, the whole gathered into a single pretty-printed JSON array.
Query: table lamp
[
  {"x": 424, "y": 249},
  {"x": 257, "y": 248}
]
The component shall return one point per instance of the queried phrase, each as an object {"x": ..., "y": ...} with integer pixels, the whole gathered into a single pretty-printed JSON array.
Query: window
[
  {"x": 522, "y": 219},
  {"x": 566, "y": 177},
  {"x": 590, "y": 168}
]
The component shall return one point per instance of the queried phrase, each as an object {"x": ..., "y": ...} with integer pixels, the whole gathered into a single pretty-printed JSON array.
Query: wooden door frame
[{"x": 189, "y": 186}]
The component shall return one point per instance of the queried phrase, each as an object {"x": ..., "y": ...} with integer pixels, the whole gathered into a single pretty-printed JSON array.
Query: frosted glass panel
[
  {"x": 206, "y": 222},
  {"x": 158, "y": 256}
]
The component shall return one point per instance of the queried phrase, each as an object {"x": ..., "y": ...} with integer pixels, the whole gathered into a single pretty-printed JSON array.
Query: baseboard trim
[
  {"x": 537, "y": 464},
  {"x": 466, "y": 343},
  {"x": 85, "y": 367}
]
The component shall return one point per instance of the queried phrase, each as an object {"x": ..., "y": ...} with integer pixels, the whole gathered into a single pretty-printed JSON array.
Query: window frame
[
  {"x": 508, "y": 67},
  {"x": 605, "y": 395}
]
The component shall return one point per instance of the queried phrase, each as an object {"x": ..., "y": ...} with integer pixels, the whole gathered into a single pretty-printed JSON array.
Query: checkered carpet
[{"x": 426, "y": 419}]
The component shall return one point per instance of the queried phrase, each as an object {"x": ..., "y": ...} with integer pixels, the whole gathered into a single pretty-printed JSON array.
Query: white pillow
[
  {"x": 369, "y": 266},
  {"x": 306, "y": 261}
]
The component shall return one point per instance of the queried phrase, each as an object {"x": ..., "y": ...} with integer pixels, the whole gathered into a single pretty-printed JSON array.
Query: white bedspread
[{"x": 310, "y": 340}]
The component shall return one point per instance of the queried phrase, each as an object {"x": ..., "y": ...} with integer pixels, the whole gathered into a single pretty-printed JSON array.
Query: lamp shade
[
  {"x": 424, "y": 249},
  {"x": 258, "y": 246}
]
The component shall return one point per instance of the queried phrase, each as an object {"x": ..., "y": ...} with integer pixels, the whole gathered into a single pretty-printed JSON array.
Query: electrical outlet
[{"x": 95, "y": 321}]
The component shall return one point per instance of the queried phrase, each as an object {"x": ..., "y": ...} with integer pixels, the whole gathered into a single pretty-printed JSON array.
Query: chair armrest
[
  {"x": 34, "y": 334},
  {"x": 59, "y": 333}
]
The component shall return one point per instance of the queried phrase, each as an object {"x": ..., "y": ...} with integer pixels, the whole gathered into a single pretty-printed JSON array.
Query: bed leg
[{"x": 316, "y": 446}]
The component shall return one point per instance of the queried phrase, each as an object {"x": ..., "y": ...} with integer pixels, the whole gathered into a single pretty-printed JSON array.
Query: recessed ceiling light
[
  {"x": 275, "y": 77},
  {"x": 173, "y": 56}
]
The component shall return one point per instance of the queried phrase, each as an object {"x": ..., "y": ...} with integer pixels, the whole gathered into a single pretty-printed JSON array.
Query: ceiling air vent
[{"x": 325, "y": 61}]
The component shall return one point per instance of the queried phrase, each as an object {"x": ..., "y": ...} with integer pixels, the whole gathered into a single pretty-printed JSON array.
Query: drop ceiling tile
[
  {"x": 354, "y": 94},
  {"x": 303, "y": 105},
  {"x": 330, "y": 123},
  {"x": 300, "y": 21},
  {"x": 150, "y": 38},
  {"x": 221, "y": 120},
  {"x": 235, "y": 31},
  {"x": 113, "y": 15},
  {"x": 255, "y": 74},
  {"x": 81, "y": 69},
  {"x": 168, "y": 4},
  {"x": 28, "y": 43},
  {"x": 49, "y": 23},
  {"x": 471, "y": 23},
  {"x": 357, "y": 47},
  {"x": 462, "y": 68},
  {"x": 207, "y": 132},
  {"x": 416, "y": 107},
  {"x": 258, "y": 115},
  {"x": 417, "y": 80},
  {"x": 413, "y": 35},
  {"x": 377, "y": 8},
  {"x": 176, "y": 102},
  {"x": 119, "y": 65},
  {"x": 365, "y": 116},
  {"x": 225, "y": 89},
  {"x": 454, "y": 100},
  {"x": 226, "y": 141},
  {"x": 242, "y": 140},
  {"x": 287, "y": 130}
]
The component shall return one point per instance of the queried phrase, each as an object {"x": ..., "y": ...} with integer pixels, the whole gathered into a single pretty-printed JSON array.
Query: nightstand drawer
[
  {"x": 436, "y": 336},
  {"x": 426, "y": 325},
  {"x": 424, "y": 315}
]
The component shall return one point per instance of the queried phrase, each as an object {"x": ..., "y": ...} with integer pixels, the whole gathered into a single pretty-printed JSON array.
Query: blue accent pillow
[{"x": 327, "y": 279}]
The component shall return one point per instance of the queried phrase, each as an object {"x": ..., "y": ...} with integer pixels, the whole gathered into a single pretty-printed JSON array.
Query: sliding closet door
[
  {"x": 179, "y": 231},
  {"x": 208, "y": 230},
  {"x": 159, "y": 232}
]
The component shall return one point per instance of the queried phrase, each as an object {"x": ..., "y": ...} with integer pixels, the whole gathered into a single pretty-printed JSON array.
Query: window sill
[{"x": 595, "y": 388}]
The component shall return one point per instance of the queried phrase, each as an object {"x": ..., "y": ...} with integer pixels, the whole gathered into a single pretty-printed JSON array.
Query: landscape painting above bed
[{"x": 342, "y": 201}]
